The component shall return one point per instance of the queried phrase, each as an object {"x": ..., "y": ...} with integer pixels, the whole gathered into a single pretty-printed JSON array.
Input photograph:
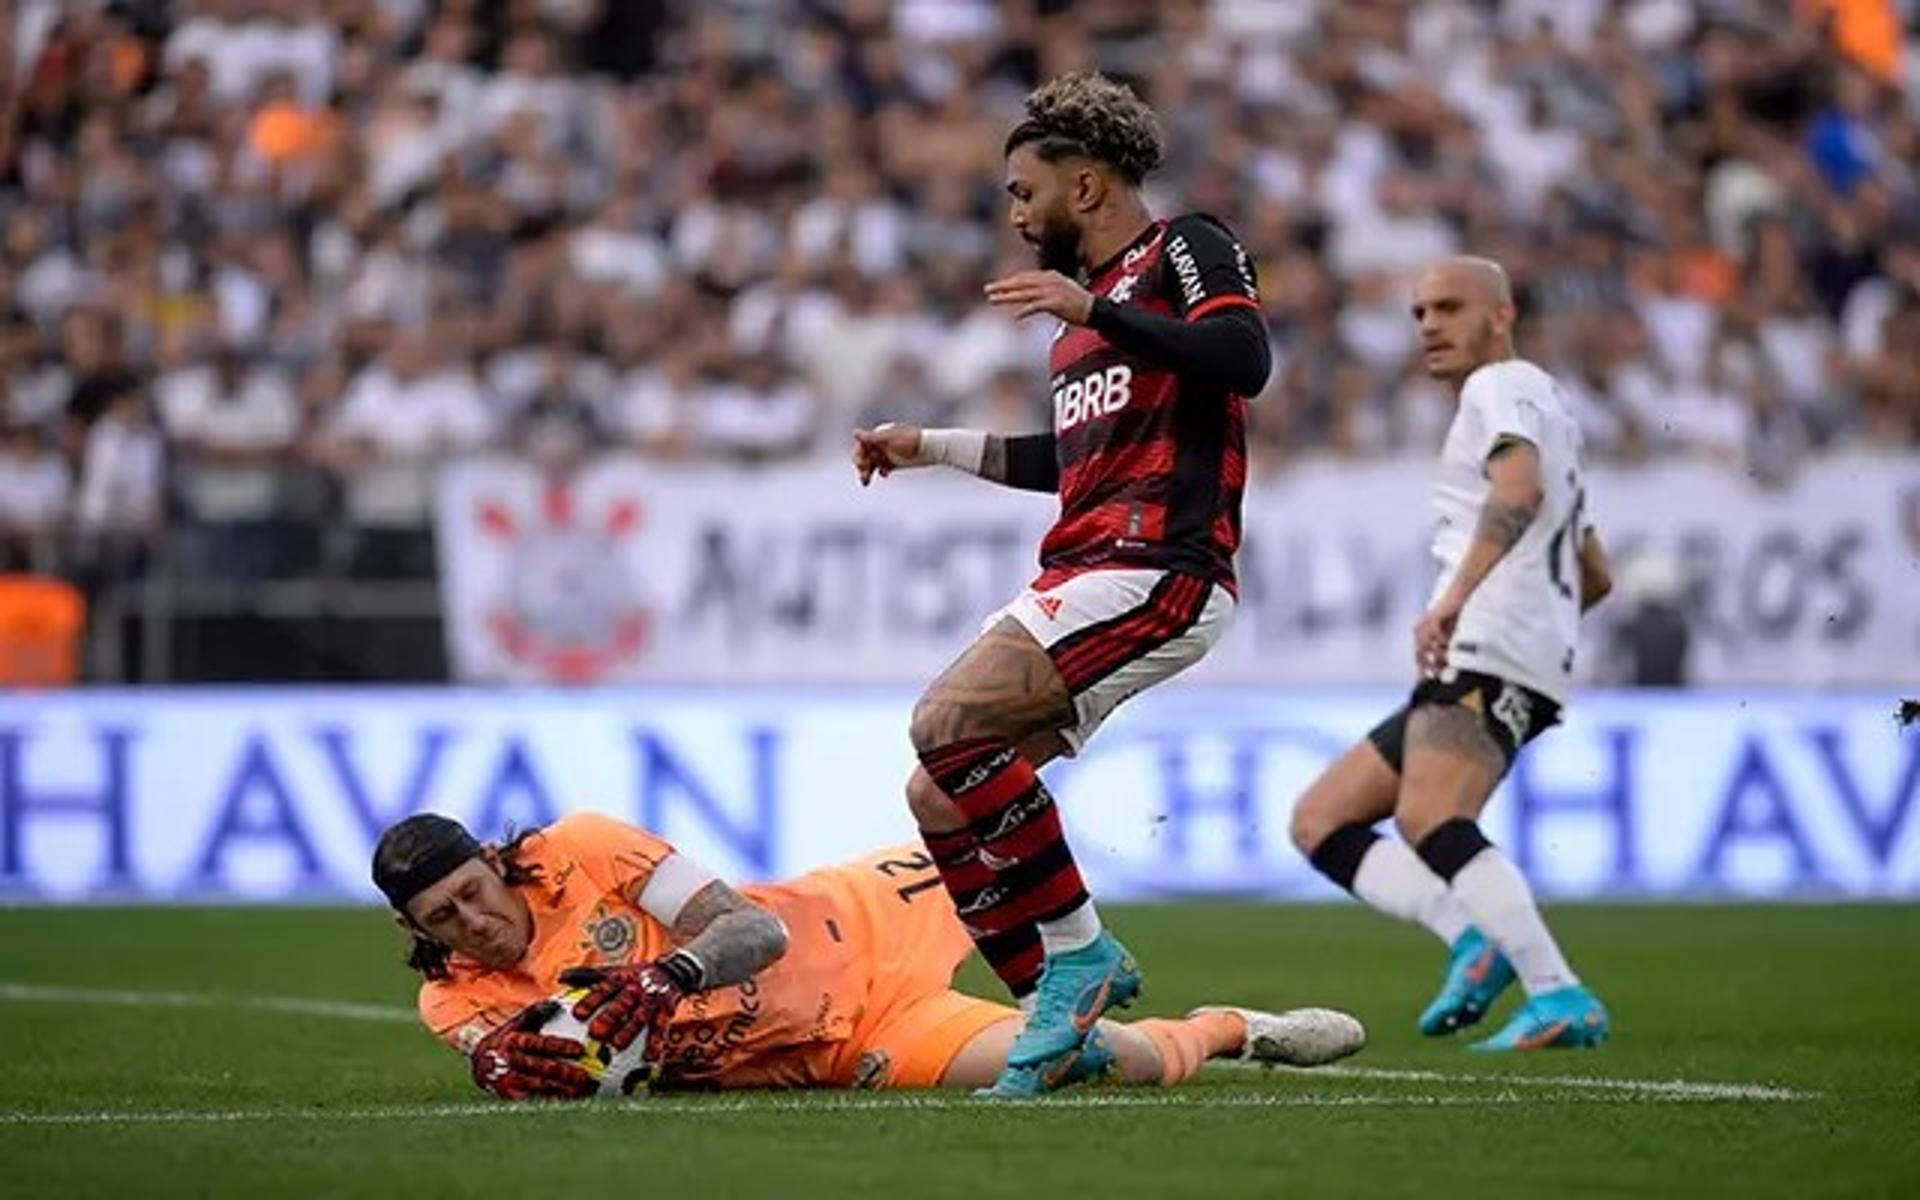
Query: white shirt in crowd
[
  {"x": 121, "y": 476},
  {"x": 34, "y": 490},
  {"x": 602, "y": 253},
  {"x": 1522, "y": 623},
  {"x": 410, "y": 424},
  {"x": 260, "y": 414},
  {"x": 241, "y": 55},
  {"x": 650, "y": 405},
  {"x": 736, "y": 418},
  {"x": 873, "y": 231}
]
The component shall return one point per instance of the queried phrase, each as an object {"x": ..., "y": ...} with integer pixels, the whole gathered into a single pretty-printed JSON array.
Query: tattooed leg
[
  {"x": 1003, "y": 687},
  {"x": 1450, "y": 768}
]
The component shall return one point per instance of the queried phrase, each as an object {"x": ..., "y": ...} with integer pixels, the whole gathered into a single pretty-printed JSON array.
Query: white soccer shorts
[{"x": 1113, "y": 634}]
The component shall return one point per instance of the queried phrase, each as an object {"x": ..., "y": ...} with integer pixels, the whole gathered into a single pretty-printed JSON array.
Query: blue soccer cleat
[
  {"x": 1091, "y": 1062},
  {"x": 1568, "y": 1018},
  {"x": 1076, "y": 989},
  {"x": 1095, "y": 1062},
  {"x": 1476, "y": 975}
]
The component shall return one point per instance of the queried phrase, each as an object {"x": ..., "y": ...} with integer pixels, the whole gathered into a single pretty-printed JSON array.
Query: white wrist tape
[{"x": 961, "y": 449}]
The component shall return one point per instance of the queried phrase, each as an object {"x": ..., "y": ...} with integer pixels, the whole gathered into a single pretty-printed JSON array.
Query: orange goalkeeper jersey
[{"x": 864, "y": 939}]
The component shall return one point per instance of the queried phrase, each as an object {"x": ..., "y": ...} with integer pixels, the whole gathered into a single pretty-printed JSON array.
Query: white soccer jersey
[{"x": 1523, "y": 621}]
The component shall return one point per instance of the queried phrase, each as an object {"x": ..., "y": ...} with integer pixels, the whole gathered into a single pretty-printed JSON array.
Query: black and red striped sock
[
  {"x": 1014, "y": 954},
  {"x": 1017, "y": 832}
]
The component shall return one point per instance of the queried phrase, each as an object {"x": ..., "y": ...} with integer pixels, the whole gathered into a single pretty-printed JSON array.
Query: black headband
[{"x": 450, "y": 845}]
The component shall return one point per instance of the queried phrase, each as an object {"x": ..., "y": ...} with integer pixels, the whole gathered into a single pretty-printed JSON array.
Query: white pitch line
[
  {"x": 1680, "y": 1088},
  {"x": 294, "y": 1006},
  {"x": 816, "y": 1103},
  {"x": 348, "y": 1010}
]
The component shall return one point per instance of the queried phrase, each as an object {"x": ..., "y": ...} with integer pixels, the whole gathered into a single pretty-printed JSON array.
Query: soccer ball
[{"x": 619, "y": 1072}]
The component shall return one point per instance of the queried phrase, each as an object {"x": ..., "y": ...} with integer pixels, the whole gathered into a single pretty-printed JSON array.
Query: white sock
[
  {"x": 1496, "y": 895},
  {"x": 1393, "y": 879},
  {"x": 1078, "y": 928}
]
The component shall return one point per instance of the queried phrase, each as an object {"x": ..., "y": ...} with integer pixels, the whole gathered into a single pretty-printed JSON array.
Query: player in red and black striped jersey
[
  {"x": 1160, "y": 342},
  {"x": 1150, "y": 416}
]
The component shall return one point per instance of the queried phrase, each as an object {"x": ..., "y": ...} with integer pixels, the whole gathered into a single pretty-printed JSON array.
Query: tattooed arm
[
  {"x": 728, "y": 937},
  {"x": 1513, "y": 500}
]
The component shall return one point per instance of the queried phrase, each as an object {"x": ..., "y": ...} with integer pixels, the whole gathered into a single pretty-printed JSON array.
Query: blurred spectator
[
  {"x": 286, "y": 132},
  {"x": 756, "y": 415},
  {"x": 33, "y": 383},
  {"x": 399, "y": 418},
  {"x": 91, "y": 345},
  {"x": 652, "y": 404},
  {"x": 231, "y": 426},
  {"x": 122, "y": 496},
  {"x": 34, "y": 493}
]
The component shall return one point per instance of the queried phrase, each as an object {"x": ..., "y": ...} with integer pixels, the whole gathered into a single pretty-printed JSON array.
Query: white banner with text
[{"x": 631, "y": 572}]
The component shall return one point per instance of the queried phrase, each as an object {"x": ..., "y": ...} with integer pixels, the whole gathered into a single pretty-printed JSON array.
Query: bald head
[
  {"x": 1464, "y": 309},
  {"x": 1482, "y": 277}
]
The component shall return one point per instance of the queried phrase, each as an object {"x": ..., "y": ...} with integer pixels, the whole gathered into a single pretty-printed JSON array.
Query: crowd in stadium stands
[{"x": 270, "y": 260}]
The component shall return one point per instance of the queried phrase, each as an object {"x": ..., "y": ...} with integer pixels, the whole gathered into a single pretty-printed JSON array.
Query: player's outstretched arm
[
  {"x": 1513, "y": 500},
  {"x": 1596, "y": 572},
  {"x": 1027, "y": 462}
]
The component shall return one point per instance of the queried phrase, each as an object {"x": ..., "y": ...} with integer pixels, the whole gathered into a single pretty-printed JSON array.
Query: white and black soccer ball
[{"x": 618, "y": 1072}]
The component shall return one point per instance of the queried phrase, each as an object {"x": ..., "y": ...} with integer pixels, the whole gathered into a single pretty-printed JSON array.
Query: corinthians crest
[
  {"x": 609, "y": 935},
  {"x": 568, "y": 606}
]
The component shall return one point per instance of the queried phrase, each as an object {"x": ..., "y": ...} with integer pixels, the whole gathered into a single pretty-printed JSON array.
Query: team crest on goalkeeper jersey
[{"x": 610, "y": 935}]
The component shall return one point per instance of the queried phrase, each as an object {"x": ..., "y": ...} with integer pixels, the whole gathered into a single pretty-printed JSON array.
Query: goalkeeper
[{"x": 839, "y": 978}]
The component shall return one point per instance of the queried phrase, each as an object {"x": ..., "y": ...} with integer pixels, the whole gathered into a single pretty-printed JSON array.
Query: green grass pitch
[{"x": 121, "y": 1086}]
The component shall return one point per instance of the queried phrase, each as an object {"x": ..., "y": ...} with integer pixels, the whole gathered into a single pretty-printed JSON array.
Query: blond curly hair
[{"x": 1088, "y": 113}]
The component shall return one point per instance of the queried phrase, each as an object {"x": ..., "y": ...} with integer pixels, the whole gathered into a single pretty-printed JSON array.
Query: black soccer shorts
[{"x": 1512, "y": 715}]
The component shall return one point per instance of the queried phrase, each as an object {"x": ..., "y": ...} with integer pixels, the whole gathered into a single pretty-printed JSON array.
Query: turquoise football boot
[
  {"x": 1093, "y": 1062},
  {"x": 1568, "y": 1018},
  {"x": 1076, "y": 989},
  {"x": 1096, "y": 1061},
  {"x": 1476, "y": 975}
]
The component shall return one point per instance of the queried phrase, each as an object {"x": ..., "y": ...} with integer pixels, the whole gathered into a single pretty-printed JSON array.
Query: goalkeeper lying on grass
[{"x": 839, "y": 978}]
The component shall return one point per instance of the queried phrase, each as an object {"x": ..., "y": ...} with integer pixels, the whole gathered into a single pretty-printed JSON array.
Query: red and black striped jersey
[{"x": 1152, "y": 463}]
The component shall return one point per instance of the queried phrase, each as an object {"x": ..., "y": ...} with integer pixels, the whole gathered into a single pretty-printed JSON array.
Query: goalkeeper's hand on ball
[
  {"x": 518, "y": 1062},
  {"x": 625, "y": 1002}
]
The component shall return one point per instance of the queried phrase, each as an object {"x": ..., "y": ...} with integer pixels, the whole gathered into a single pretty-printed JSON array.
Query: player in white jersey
[{"x": 1519, "y": 563}]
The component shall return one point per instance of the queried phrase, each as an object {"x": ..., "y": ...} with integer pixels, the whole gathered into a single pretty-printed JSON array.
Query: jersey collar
[{"x": 1146, "y": 238}]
